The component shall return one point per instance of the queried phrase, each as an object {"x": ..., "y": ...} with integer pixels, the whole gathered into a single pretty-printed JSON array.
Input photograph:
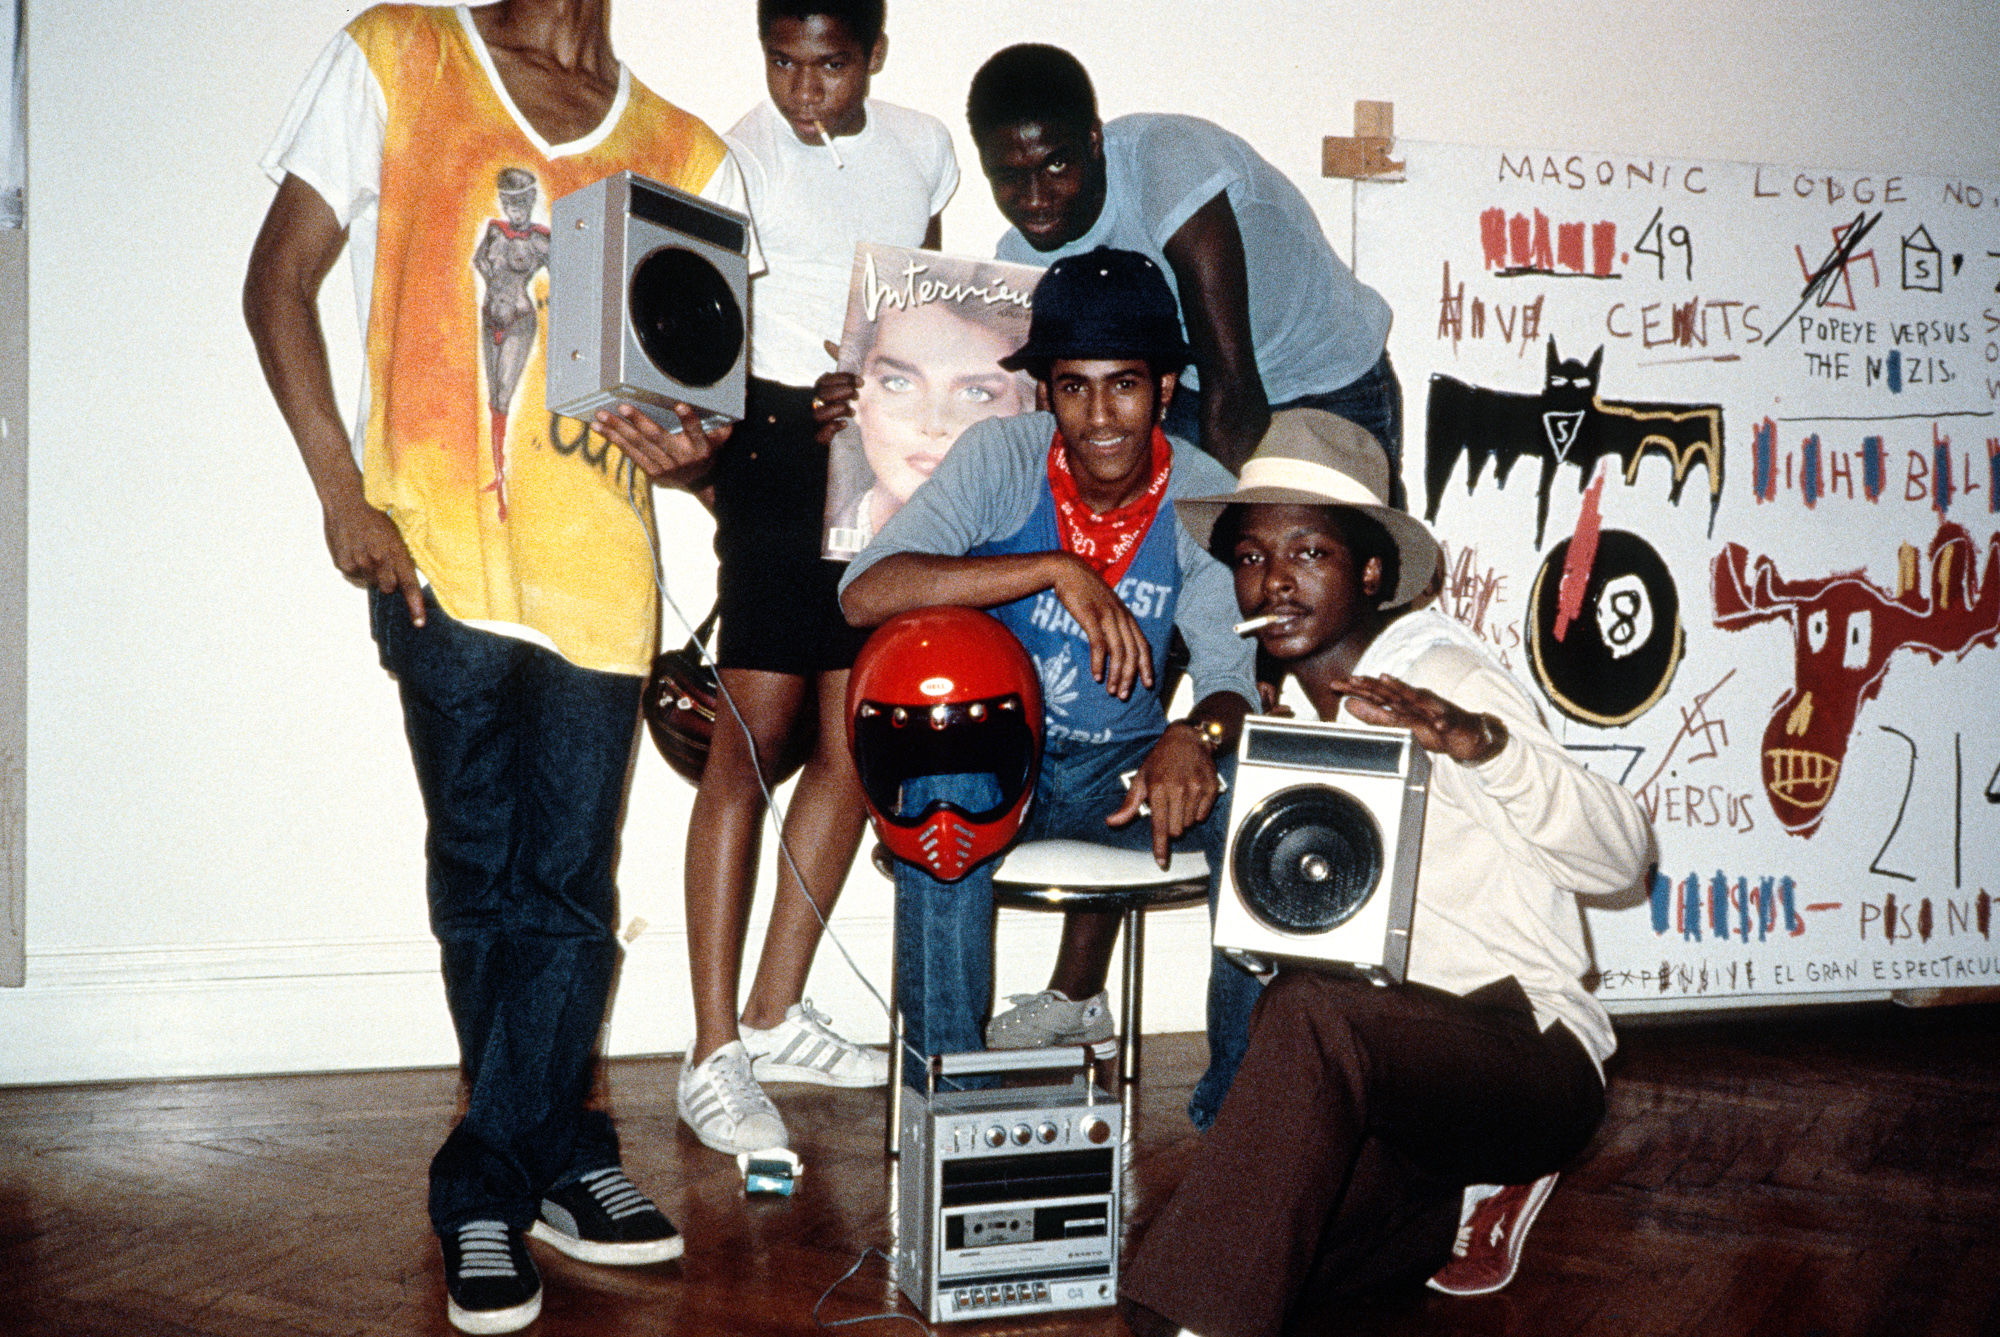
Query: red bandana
[{"x": 1106, "y": 541}]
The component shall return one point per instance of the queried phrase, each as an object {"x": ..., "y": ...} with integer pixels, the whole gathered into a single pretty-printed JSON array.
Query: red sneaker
[{"x": 1490, "y": 1237}]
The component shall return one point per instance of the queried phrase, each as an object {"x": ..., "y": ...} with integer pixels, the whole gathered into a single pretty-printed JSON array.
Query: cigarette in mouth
[
  {"x": 827, "y": 140},
  {"x": 1257, "y": 623}
]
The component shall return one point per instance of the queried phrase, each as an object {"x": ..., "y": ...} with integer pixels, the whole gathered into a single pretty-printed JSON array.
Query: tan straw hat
[{"x": 1310, "y": 457}]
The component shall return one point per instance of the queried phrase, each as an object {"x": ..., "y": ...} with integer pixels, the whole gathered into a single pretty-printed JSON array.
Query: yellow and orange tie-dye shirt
[{"x": 515, "y": 516}]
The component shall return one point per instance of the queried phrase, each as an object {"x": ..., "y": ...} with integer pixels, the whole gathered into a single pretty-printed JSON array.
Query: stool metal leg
[
  {"x": 1130, "y": 987},
  {"x": 892, "y": 1136}
]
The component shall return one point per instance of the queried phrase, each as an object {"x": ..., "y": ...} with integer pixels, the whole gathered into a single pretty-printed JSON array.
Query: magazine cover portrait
[{"x": 925, "y": 334}]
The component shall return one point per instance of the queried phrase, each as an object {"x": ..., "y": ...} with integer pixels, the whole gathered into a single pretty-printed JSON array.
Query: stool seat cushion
[{"x": 1081, "y": 864}]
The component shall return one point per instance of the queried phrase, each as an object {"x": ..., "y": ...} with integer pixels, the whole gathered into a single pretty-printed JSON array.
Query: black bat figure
[{"x": 1567, "y": 423}]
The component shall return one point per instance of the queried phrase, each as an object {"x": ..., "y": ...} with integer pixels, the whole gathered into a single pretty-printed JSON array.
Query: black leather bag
[{"x": 679, "y": 704}]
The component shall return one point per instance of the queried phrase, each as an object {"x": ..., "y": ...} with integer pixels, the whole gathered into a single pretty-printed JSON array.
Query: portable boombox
[
  {"x": 1323, "y": 844},
  {"x": 648, "y": 301},
  {"x": 1007, "y": 1200}
]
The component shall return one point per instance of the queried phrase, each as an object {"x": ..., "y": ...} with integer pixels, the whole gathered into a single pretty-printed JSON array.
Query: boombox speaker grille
[
  {"x": 1307, "y": 859},
  {"x": 685, "y": 316}
]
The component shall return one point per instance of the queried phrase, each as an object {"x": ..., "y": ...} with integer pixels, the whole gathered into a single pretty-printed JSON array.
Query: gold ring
[{"x": 818, "y": 403}]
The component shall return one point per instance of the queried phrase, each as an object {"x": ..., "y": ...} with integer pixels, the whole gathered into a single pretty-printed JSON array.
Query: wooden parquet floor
[{"x": 1814, "y": 1173}]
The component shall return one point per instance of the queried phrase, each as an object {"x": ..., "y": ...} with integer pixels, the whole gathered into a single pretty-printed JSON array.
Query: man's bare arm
[
  {"x": 296, "y": 247},
  {"x": 1119, "y": 655},
  {"x": 1207, "y": 259}
]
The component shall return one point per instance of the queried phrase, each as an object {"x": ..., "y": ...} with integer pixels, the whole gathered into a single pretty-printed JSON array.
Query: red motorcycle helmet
[{"x": 945, "y": 691}]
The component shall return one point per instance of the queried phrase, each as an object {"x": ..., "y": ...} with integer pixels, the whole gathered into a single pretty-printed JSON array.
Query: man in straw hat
[{"x": 1367, "y": 1125}]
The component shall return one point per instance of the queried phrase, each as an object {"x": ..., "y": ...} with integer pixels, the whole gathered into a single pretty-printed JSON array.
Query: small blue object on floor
[{"x": 775, "y": 1171}]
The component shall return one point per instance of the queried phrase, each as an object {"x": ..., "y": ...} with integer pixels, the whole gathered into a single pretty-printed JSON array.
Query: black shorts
[{"x": 777, "y": 594}]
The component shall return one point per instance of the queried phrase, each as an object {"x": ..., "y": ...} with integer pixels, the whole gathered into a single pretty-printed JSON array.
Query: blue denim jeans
[
  {"x": 1374, "y": 400},
  {"x": 521, "y": 758},
  {"x": 944, "y": 930}
]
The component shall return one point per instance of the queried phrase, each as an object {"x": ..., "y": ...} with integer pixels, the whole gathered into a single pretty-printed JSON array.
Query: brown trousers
[{"x": 1339, "y": 1158}]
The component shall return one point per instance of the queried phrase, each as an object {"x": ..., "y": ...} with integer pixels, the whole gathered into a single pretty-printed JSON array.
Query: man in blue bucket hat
[{"x": 1060, "y": 524}]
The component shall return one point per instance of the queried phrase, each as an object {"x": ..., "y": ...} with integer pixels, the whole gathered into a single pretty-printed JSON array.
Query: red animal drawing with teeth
[{"x": 1844, "y": 632}]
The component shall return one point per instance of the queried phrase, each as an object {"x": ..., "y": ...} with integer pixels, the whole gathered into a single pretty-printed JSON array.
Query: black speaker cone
[
  {"x": 687, "y": 320},
  {"x": 1307, "y": 859}
]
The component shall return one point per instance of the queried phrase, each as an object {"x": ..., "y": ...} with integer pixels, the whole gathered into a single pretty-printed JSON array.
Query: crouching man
[
  {"x": 1058, "y": 524},
  {"x": 1367, "y": 1123}
]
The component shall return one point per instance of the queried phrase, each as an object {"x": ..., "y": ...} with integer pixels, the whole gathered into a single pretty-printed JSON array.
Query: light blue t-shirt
[
  {"x": 1316, "y": 328},
  {"x": 1075, "y": 707}
]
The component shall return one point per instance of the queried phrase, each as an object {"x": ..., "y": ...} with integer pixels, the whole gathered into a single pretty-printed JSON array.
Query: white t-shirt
[
  {"x": 1314, "y": 325},
  {"x": 891, "y": 180}
]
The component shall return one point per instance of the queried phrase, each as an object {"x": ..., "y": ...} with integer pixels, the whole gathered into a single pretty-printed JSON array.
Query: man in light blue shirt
[{"x": 1275, "y": 319}]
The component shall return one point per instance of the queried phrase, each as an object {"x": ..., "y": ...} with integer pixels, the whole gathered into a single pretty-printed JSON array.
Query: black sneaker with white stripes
[
  {"x": 490, "y": 1282},
  {"x": 600, "y": 1217}
]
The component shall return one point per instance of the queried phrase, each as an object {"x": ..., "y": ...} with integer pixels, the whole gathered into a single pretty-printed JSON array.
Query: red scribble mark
[
  {"x": 1520, "y": 243},
  {"x": 1603, "y": 247},
  {"x": 1569, "y": 246},
  {"x": 1451, "y": 311},
  {"x": 1493, "y": 237},
  {"x": 1825, "y": 905},
  {"x": 1844, "y": 263},
  {"x": 1695, "y": 722},
  {"x": 1844, "y": 631},
  {"x": 1469, "y": 593},
  {"x": 1582, "y": 555},
  {"x": 1540, "y": 257}
]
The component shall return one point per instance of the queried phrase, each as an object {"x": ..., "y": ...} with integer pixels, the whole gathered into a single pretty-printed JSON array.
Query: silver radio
[
  {"x": 1324, "y": 834},
  {"x": 648, "y": 301},
  {"x": 1007, "y": 1200}
]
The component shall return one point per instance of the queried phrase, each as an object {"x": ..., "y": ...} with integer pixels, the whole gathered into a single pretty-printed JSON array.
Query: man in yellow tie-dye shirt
[{"x": 507, "y": 553}]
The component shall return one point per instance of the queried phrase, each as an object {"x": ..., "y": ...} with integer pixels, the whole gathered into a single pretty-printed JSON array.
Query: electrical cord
[
  {"x": 774, "y": 814},
  {"x": 886, "y": 1316}
]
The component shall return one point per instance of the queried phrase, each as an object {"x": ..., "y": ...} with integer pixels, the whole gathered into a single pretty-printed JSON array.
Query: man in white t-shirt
[{"x": 825, "y": 166}]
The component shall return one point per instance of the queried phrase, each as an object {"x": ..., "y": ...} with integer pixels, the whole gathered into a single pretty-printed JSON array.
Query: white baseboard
[{"x": 239, "y": 1009}]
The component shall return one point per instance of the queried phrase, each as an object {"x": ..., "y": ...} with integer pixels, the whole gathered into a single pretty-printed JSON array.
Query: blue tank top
[{"x": 1076, "y": 708}]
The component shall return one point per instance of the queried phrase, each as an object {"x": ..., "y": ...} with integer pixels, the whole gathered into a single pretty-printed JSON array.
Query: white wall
[{"x": 224, "y": 845}]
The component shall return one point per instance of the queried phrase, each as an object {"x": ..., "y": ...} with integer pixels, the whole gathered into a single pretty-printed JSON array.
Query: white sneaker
[
  {"x": 722, "y": 1102},
  {"x": 804, "y": 1048},
  {"x": 1038, "y": 1020}
]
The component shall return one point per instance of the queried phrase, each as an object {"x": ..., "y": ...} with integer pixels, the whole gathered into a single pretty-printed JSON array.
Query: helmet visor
[{"x": 896, "y": 744}]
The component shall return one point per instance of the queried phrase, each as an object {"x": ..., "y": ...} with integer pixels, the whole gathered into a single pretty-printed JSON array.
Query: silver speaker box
[
  {"x": 1324, "y": 831},
  {"x": 649, "y": 300}
]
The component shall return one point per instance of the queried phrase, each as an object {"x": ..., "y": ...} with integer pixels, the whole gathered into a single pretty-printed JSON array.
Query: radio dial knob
[
  {"x": 1096, "y": 1130},
  {"x": 996, "y": 1136},
  {"x": 1047, "y": 1132},
  {"x": 1023, "y": 1134}
]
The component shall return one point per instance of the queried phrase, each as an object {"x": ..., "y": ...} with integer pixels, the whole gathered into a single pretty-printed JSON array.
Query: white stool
[{"x": 1080, "y": 875}]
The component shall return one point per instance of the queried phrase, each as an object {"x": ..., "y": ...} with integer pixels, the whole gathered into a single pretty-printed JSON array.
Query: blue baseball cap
[{"x": 1103, "y": 304}]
